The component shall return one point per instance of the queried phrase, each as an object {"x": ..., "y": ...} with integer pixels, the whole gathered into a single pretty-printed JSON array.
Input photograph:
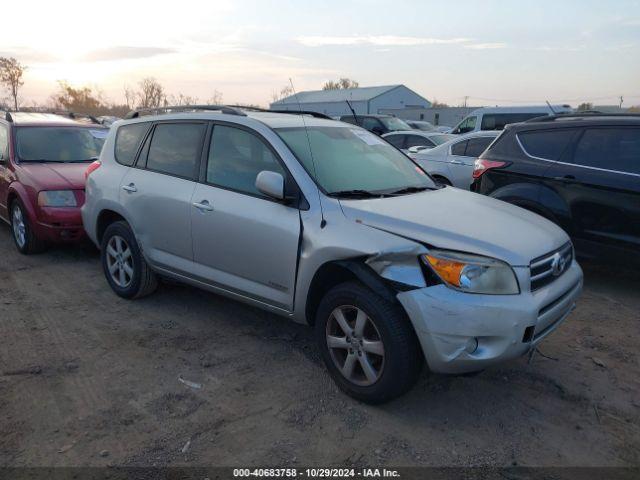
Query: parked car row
[{"x": 319, "y": 221}]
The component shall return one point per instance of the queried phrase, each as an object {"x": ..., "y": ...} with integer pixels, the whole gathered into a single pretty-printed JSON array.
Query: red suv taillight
[
  {"x": 92, "y": 168},
  {"x": 481, "y": 166}
]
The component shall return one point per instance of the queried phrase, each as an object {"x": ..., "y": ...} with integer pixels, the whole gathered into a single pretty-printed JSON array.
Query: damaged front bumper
[{"x": 463, "y": 332}]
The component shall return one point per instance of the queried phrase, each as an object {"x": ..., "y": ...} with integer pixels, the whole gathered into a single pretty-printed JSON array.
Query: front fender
[{"x": 22, "y": 193}]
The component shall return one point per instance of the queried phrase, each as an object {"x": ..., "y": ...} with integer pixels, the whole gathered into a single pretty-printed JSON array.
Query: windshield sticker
[
  {"x": 99, "y": 133},
  {"x": 367, "y": 137}
]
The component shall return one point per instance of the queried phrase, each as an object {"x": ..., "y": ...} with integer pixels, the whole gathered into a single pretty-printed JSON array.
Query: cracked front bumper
[{"x": 462, "y": 332}]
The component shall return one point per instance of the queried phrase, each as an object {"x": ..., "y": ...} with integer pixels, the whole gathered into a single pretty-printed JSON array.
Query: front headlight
[
  {"x": 472, "y": 273},
  {"x": 57, "y": 198}
]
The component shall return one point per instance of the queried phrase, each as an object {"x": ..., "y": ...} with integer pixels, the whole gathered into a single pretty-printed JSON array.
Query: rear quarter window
[
  {"x": 128, "y": 141},
  {"x": 546, "y": 144}
]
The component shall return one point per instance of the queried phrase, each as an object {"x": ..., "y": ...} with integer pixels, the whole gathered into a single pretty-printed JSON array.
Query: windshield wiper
[
  {"x": 407, "y": 190},
  {"x": 357, "y": 194}
]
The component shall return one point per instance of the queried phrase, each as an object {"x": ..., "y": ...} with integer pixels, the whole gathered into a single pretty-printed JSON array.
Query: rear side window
[
  {"x": 547, "y": 144},
  {"x": 477, "y": 145},
  {"x": 175, "y": 148},
  {"x": 418, "y": 141},
  {"x": 128, "y": 140},
  {"x": 236, "y": 157},
  {"x": 610, "y": 148},
  {"x": 459, "y": 148}
]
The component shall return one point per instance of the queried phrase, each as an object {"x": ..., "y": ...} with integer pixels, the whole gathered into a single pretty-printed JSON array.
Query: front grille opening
[
  {"x": 528, "y": 334},
  {"x": 542, "y": 270}
]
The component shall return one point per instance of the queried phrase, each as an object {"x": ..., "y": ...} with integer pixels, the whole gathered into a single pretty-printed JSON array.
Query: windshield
[
  {"x": 353, "y": 159},
  {"x": 394, "y": 124},
  {"x": 424, "y": 126},
  {"x": 440, "y": 139},
  {"x": 59, "y": 144}
]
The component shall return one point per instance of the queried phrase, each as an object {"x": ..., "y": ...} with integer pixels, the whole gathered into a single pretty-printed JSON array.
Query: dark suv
[
  {"x": 378, "y": 124},
  {"x": 580, "y": 171}
]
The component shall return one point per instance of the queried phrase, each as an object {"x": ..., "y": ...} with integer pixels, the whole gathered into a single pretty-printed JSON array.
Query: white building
[{"x": 363, "y": 100}]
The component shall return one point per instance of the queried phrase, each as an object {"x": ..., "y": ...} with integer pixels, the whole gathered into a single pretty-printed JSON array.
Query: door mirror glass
[{"x": 270, "y": 184}]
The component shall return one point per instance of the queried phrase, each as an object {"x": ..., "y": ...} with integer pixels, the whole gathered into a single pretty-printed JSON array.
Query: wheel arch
[{"x": 105, "y": 218}]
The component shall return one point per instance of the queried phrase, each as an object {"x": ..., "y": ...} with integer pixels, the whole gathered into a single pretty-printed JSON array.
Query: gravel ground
[{"x": 188, "y": 378}]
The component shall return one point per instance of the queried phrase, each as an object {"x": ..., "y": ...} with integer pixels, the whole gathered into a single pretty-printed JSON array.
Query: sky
[{"x": 495, "y": 52}]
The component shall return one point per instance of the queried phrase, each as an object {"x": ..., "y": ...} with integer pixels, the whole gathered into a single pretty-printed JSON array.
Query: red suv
[{"x": 43, "y": 159}]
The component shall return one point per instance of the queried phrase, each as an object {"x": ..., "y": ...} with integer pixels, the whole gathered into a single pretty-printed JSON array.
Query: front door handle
[
  {"x": 130, "y": 188},
  {"x": 457, "y": 162},
  {"x": 203, "y": 206},
  {"x": 565, "y": 179}
]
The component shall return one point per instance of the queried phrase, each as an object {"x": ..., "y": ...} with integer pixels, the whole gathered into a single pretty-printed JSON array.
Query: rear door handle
[
  {"x": 203, "y": 206},
  {"x": 130, "y": 188}
]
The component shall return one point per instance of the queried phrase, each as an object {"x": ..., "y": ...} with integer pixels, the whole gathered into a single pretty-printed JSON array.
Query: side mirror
[
  {"x": 271, "y": 184},
  {"x": 418, "y": 148}
]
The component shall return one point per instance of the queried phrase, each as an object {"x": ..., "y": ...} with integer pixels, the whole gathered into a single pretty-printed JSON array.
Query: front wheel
[
  {"x": 23, "y": 236},
  {"x": 367, "y": 343},
  {"x": 126, "y": 270}
]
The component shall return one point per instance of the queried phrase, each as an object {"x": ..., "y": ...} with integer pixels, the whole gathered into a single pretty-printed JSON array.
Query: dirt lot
[{"x": 89, "y": 379}]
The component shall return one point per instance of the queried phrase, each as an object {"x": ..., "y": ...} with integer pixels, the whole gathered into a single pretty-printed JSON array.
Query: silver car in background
[
  {"x": 416, "y": 141},
  {"x": 327, "y": 224},
  {"x": 451, "y": 163}
]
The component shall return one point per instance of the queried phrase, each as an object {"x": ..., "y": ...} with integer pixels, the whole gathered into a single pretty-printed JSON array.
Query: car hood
[
  {"x": 53, "y": 176},
  {"x": 453, "y": 219}
]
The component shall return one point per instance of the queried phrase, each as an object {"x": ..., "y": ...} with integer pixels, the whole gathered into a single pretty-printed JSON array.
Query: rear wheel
[
  {"x": 367, "y": 343},
  {"x": 23, "y": 235},
  {"x": 124, "y": 266}
]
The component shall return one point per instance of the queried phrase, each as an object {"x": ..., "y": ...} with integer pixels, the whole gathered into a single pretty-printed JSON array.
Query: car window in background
[
  {"x": 4, "y": 143},
  {"x": 175, "y": 148},
  {"x": 59, "y": 144},
  {"x": 370, "y": 123},
  {"x": 396, "y": 140},
  {"x": 497, "y": 121},
  {"x": 547, "y": 144},
  {"x": 394, "y": 124},
  {"x": 128, "y": 140},
  {"x": 467, "y": 125},
  {"x": 610, "y": 148},
  {"x": 236, "y": 157},
  {"x": 418, "y": 141},
  {"x": 351, "y": 159},
  {"x": 459, "y": 148},
  {"x": 476, "y": 146},
  {"x": 348, "y": 119}
]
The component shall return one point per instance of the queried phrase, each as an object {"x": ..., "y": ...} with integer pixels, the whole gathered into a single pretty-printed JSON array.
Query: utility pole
[
  {"x": 621, "y": 100},
  {"x": 465, "y": 101}
]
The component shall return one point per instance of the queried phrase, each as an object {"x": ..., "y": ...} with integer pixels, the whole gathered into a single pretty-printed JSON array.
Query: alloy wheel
[
  {"x": 119, "y": 261},
  {"x": 355, "y": 345},
  {"x": 19, "y": 227}
]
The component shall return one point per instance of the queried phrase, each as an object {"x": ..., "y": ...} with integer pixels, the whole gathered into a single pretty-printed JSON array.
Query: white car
[
  {"x": 495, "y": 118},
  {"x": 427, "y": 126},
  {"x": 416, "y": 140},
  {"x": 452, "y": 162}
]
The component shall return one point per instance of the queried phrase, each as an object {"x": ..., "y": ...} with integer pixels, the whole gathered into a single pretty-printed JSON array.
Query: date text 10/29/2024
[{"x": 316, "y": 472}]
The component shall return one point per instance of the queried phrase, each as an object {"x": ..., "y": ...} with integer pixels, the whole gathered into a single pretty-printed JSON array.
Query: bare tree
[
  {"x": 585, "y": 106},
  {"x": 82, "y": 99},
  {"x": 151, "y": 94},
  {"x": 216, "y": 98},
  {"x": 11, "y": 72},
  {"x": 130, "y": 97},
  {"x": 182, "y": 99},
  {"x": 284, "y": 92},
  {"x": 342, "y": 83},
  {"x": 437, "y": 104}
]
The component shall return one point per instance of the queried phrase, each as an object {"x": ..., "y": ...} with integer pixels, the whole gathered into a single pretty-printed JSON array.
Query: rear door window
[
  {"x": 547, "y": 144},
  {"x": 175, "y": 148},
  {"x": 615, "y": 149},
  {"x": 128, "y": 140}
]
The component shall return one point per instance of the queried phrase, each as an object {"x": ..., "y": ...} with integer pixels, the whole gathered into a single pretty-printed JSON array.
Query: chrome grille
[{"x": 547, "y": 268}]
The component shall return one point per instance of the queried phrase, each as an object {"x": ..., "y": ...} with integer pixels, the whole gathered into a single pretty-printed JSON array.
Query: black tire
[
  {"x": 442, "y": 180},
  {"x": 143, "y": 280},
  {"x": 31, "y": 243},
  {"x": 402, "y": 353}
]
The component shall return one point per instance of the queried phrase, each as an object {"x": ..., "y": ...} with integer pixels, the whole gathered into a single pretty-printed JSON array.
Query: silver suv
[{"x": 325, "y": 223}]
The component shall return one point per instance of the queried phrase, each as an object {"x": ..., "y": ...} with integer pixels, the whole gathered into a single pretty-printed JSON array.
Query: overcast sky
[{"x": 495, "y": 52}]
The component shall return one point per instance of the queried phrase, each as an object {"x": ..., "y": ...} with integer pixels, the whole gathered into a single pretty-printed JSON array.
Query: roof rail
[
  {"x": 183, "y": 108},
  {"x": 62, "y": 113},
  {"x": 292, "y": 112},
  {"x": 589, "y": 114}
]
